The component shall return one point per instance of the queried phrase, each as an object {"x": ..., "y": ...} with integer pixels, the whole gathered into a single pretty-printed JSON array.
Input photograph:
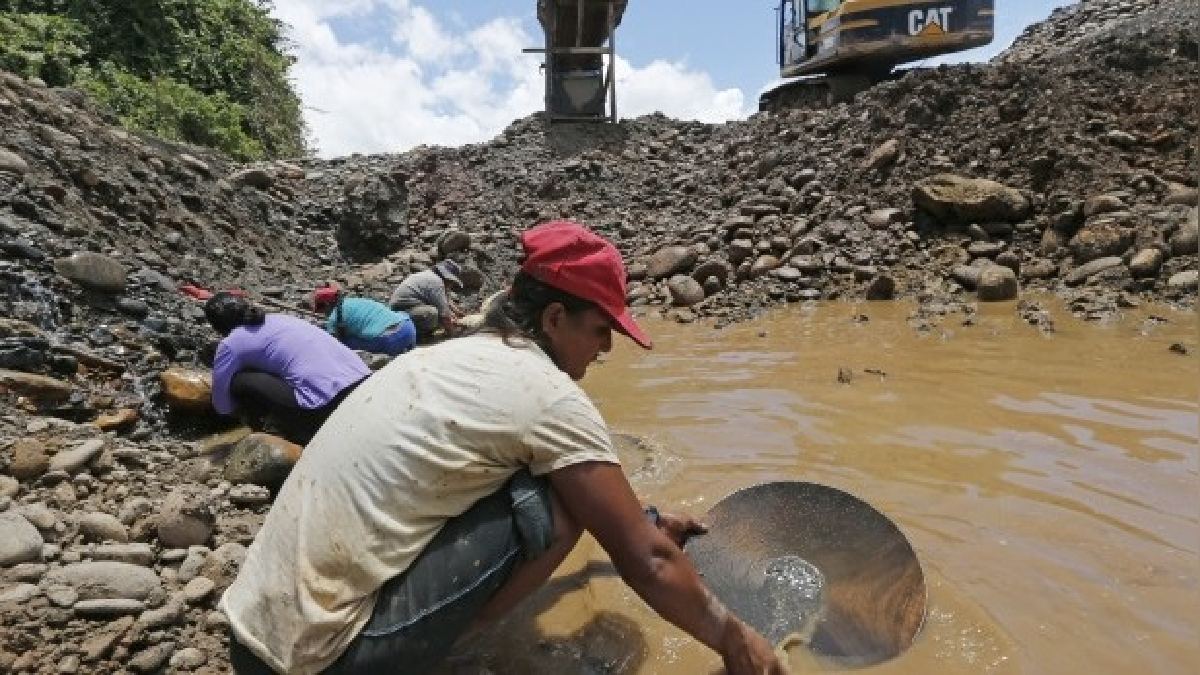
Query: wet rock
[
  {"x": 100, "y": 580},
  {"x": 996, "y": 283},
  {"x": 1089, "y": 269},
  {"x": 119, "y": 419},
  {"x": 93, "y": 270},
  {"x": 29, "y": 459},
  {"x": 261, "y": 459},
  {"x": 34, "y": 386},
  {"x": 670, "y": 261},
  {"x": 187, "y": 517},
  {"x": 685, "y": 291},
  {"x": 189, "y": 390},
  {"x": 223, "y": 441},
  {"x": 1100, "y": 240},
  {"x": 882, "y": 287},
  {"x": 100, "y": 527},
  {"x": 1185, "y": 280},
  {"x": 19, "y": 540},
  {"x": 76, "y": 458},
  {"x": 11, "y": 162},
  {"x": 1146, "y": 263},
  {"x": 956, "y": 199}
]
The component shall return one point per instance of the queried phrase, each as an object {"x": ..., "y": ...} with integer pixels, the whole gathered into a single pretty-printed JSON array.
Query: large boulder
[
  {"x": 29, "y": 459},
  {"x": 1100, "y": 240},
  {"x": 187, "y": 517},
  {"x": 1184, "y": 241},
  {"x": 1146, "y": 262},
  {"x": 997, "y": 283},
  {"x": 685, "y": 291},
  {"x": 372, "y": 221},
  {"x": 1090, "y": 269},
  {"x": 93, "y": 270},
  {"x": 19, "y": 540},
  {"x": 956, "y": 199},
  {"x": 186, "y": 389},
  {"x": 34, "y": 386},
  {"x": 261, "y": 459},
  {"x": 107, "y": 580},
  {"x": 670, "y": 261}
]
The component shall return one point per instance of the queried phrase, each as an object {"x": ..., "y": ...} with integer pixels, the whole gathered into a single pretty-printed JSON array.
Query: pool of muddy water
[{"x": 1048, "y": 482}]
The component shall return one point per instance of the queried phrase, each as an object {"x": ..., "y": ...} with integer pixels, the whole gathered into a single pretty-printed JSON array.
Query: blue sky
[{"x": 387, "y": 75}]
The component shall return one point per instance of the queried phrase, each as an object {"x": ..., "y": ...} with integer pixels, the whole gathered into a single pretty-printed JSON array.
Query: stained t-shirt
[{"x": 416, "y": 444}]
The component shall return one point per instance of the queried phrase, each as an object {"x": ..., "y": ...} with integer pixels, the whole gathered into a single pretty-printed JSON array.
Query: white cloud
[{"x": 406, "y": 79}]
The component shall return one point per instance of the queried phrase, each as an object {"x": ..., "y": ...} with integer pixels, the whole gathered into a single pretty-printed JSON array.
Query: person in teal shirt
[{"x": 364, "y": 324}]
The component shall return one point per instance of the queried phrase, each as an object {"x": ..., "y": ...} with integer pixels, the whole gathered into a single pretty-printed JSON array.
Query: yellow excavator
[{"x": 839, "y": 47}]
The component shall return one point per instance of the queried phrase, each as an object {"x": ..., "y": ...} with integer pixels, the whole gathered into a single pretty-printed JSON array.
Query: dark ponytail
[
  {"x": 517, "y": 313},
  {"x": 226, "y": 311}
]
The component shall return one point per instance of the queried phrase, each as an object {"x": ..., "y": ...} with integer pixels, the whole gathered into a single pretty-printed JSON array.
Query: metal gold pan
[{"x": 805, "y": 561}]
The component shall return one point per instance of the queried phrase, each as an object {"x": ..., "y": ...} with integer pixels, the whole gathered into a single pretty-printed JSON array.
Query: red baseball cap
[{"x": 572, "y": 258}]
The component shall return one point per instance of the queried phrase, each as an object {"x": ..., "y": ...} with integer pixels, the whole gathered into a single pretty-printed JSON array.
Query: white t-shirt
[{"x": 415, "y": 444}]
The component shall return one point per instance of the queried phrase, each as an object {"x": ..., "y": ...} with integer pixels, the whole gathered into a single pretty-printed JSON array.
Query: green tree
[{"x": 152, "y": 61}]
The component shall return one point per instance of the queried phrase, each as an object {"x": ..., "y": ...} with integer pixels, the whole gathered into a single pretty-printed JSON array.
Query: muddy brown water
[{"x": 1049, "y": 483}]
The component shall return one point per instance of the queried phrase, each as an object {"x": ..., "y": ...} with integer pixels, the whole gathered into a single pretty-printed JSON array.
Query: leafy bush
[
  {"x": 43, "y": 46},
  {"x": 212, "y": 72},
  {"x": 173, "y": 110}
]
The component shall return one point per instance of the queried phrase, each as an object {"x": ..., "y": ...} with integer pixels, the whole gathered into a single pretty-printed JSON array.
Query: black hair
[
  {"x": 226, "y": 311},
  {"x": 517, "y": 313}
]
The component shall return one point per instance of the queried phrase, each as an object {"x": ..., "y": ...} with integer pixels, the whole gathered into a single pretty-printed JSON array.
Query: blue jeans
[
  {"x": 395, "y": 340},
  {"x": 419, "y": 614}
]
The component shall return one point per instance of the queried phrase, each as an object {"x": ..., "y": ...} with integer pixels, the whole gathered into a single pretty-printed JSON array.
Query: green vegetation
[{"x": 212, "y": 72}]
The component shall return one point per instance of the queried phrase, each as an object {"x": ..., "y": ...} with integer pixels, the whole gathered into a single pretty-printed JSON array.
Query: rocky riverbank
[{"x": 1067, "y": 165}]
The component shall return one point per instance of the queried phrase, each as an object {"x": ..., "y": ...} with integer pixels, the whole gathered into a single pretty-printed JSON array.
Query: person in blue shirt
[{"x": 364, "y": 324}]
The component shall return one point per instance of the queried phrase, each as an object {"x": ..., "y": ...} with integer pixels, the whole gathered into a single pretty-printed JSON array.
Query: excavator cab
[{"x": 873, "y": 36}]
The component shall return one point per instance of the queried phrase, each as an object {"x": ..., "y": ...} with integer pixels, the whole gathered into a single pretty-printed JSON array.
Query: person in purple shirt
[{"x": 278, "y": 366}]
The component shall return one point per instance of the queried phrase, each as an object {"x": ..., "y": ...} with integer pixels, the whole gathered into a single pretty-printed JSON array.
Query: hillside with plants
[{"x": 209, "y": 72}]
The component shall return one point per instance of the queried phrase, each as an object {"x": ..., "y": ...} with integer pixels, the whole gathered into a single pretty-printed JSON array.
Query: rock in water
[{"x": 997, "y": 283}]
